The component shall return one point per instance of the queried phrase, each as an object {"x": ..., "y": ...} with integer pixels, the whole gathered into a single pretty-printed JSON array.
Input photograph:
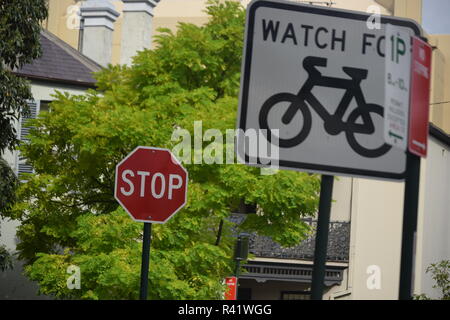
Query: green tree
[
  {"x": 440, "y": 273},
  {"x": 19, "y": 44},
  {"x": 8, "y": 185},
  {"x": 20, "y": 26},
  {"x": 67, "y": 209}
]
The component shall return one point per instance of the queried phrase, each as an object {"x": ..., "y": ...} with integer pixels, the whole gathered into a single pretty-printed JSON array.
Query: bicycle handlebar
[{"x": 311, "y": 63}]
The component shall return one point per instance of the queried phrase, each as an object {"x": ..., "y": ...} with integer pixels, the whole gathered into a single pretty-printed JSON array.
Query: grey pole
[{"x": 320, "y": 251}]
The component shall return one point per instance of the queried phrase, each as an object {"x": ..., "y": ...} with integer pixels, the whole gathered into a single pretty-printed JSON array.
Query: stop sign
[{"x": 151, "y": 185}]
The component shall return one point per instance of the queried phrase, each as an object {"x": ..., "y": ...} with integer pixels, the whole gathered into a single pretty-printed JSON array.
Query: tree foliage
[
  {"x": 67, "y": 209},
  {"x": 19, "y": 44},
  {"x": 440, "y": 273},
  {"x": 20, "y": 25},
  {"x": 8, "y": 186}
]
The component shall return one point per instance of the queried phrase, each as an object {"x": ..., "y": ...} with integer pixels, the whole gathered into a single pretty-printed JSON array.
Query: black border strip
[{"x": 246, "y": 81}]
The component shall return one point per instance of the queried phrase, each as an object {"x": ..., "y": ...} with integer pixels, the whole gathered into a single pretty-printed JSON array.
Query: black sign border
[{"x": 249, "y": 32}]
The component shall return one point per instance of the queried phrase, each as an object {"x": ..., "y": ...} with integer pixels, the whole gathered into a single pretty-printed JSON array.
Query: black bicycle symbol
[{"x": 333, "y": 123}]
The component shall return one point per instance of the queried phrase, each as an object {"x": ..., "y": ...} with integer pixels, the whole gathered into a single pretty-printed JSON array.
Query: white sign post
[
  {"x": 318, "y": 76},
  {"x": 397, "y": 86}
]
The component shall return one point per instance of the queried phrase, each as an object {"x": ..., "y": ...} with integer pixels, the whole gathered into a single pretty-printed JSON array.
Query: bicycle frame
[{"x": 333, "y": 123}]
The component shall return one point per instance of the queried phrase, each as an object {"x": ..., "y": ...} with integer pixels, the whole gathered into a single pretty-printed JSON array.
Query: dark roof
[
  {"x": 60, "y": 63},
  {"x": 338, "y": 243}
]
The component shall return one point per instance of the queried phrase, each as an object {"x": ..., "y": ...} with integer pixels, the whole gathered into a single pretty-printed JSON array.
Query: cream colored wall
[
  {"x": 45, "y": 90},
  {"x": 342, "y": 199},
  {"x": 375, "y": 237},
  {"x": 376, "y": 227},
  {"x": 433, "y": 237}
]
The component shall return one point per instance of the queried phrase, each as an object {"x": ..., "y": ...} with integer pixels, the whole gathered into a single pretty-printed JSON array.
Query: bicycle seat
[
  {"x": 310, "y": 63},
  {"x": 355, "y": 73}
]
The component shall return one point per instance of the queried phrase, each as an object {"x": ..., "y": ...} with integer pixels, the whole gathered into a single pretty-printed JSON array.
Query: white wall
[
  {"x": 44, "y": 90},
  {"x": 433, "y": 233},
  {"x": 376, "y": 236},
  {"x": 376, "y": 209}
]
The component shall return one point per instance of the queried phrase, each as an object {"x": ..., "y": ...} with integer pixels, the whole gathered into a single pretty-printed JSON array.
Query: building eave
[
  {"x": 387, "y": 4},
  {"x": 86, "y": 85},
  {"x": 439, "y": 134}
]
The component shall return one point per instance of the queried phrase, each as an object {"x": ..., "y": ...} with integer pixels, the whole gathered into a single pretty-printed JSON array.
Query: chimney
[
  {"x": 136, "y": 28},
  {"x": 98, "y": 26}
]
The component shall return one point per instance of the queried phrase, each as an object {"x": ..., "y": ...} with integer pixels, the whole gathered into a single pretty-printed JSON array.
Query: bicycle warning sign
[{"x": 313, "y": 77}]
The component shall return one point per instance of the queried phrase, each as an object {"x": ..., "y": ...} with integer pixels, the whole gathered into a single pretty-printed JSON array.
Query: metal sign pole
[
  {"x": 320, "y": 251},
  {"x": 146, "y": 241},
  {"x": 410, "y": 207}
]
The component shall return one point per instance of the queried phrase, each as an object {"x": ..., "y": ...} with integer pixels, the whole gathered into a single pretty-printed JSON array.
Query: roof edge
[
  {"x": 439, "y": 134},
  {"x": 88, "y": 85}
]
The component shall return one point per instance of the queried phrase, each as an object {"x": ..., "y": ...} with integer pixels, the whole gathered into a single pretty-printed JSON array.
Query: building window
[
  {"x": 36, "y": 107},
  {"x": 44, "y": 106},
  {"x": 295, "y": 295}
]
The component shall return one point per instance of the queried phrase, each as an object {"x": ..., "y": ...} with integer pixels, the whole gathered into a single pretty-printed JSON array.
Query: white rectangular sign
[
  {"x": 317, "y": 75},
  {"x": 397, "y": 86}
]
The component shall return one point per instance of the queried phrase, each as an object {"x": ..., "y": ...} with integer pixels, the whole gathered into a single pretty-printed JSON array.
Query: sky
[{"x": 436, "y": 16}]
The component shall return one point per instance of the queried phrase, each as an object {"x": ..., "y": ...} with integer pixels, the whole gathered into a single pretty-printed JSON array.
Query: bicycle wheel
[
  {"x": 354, "y": 144},
  {"x": 300, "y": 104}
]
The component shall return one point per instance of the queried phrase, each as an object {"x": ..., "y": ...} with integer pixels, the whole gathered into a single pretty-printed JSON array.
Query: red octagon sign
[{"x": 151, "y": 185}]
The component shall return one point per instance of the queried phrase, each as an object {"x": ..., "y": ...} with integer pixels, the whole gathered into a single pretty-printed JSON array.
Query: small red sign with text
[
  {"x": 420, "y": 97},
  {"x": 231, "y": 291}
]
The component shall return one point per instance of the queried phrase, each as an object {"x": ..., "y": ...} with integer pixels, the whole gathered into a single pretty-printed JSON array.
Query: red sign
[
  {"x": 151, "y": 185},
  {"x": 231, "y": 291},
  {"x": 420, "y": 97}
]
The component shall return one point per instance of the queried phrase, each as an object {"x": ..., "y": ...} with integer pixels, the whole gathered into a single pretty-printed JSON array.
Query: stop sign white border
[{"x": 175, "y": 161}]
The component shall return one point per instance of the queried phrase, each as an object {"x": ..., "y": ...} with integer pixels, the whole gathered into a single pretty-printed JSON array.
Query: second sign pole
[
  {"x": 410, "y": 212},
  {"x": 320, "y": 251}
]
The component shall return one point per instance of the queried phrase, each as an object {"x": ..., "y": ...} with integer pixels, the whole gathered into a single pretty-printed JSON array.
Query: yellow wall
[
  {"x": 409, "y": 9},
  {"x": 168, "y": 14},
  {"x": 60, "y": 21},
  {"x": 440, "y": 92},
  {"x": 440, "y": 86}
]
